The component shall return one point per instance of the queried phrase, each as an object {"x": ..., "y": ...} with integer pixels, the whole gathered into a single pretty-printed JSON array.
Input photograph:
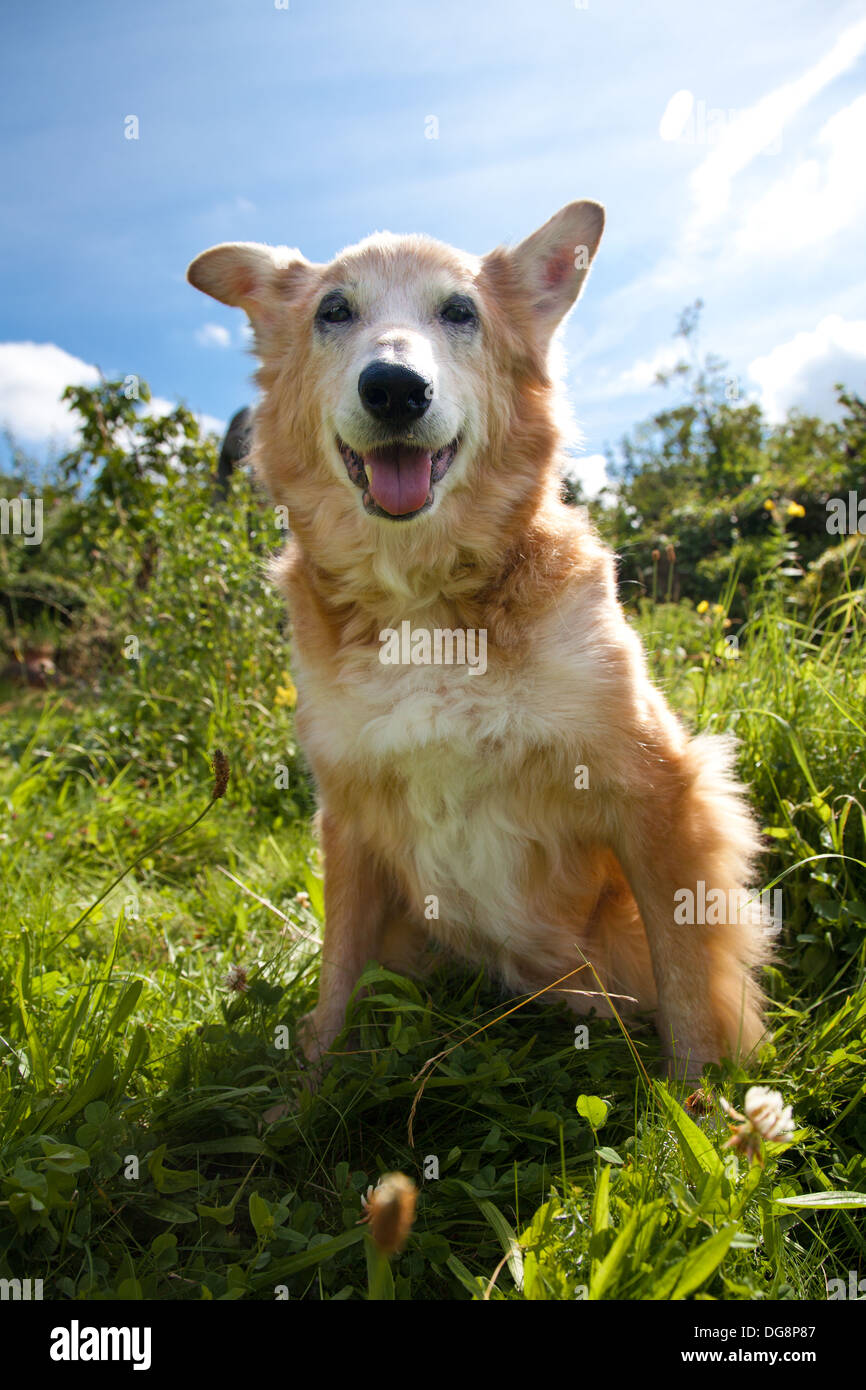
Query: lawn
[{"x": 160, "y": 944}]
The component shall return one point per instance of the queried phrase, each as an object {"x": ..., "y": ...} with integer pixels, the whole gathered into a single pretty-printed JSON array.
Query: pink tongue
[{"x": 399, "y": 477}]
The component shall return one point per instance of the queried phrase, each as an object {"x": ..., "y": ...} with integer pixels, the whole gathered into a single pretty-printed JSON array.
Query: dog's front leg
[
  {"x": 354, "y": 920},
  {"x": 688, "y": 840}
]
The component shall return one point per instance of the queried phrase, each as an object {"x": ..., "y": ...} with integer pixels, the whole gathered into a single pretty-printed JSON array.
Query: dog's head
[{"x": 405, "y": 371}]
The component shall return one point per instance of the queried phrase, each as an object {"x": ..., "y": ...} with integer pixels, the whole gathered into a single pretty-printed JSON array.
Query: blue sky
[{"x": 726, "y": 142}]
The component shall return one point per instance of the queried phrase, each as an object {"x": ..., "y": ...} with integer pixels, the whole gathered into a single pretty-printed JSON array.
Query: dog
[{"x": 542, "y": 812}]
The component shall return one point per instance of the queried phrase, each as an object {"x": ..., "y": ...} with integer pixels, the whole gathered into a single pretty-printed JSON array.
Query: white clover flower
[
  {"x": 768, "y": 1113},
  {"x": 236, "y": 980},
  {"x": 767, "y": 1119}
]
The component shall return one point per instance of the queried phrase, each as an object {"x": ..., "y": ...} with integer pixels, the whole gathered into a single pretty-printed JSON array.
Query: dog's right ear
[{"x": 247, "y": 274}]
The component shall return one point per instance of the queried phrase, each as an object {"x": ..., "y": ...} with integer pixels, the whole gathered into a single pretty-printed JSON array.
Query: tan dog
[{"x": 544, "y": 797}]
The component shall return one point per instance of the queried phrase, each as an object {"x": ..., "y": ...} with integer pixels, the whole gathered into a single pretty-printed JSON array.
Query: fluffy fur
[{"x": 439, "y": 782}]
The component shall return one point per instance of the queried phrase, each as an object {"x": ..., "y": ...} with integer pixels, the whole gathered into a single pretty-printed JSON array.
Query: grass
[{"x": 159, "y": 1140}]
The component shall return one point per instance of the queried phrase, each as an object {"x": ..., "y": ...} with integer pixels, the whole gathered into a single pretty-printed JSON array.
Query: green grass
[{"x": 158, "y": 1138}]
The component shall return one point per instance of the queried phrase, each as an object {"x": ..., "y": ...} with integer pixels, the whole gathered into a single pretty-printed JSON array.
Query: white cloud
[
  {"x": 213, "y": 335},
  {"x": 208, "y": 424},
  {"x": 750, "y": 131},
  {"x": 590, "y": 471},
  {"x": 803, "y": 371},
  {"x": 822, "y": 194},
  {"x": 818, "y": 198},
  {"x": 640, "y": 376},
  {"x": 32, "y": 377},
  {"x": 676, "y": 115}
]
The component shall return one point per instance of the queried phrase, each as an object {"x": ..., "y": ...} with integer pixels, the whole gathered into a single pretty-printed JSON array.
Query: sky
[{"x": 726, "y": 142}]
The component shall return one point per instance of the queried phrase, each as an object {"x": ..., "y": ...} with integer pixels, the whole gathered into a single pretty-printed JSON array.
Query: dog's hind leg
[{"x": 688, "y": 838}]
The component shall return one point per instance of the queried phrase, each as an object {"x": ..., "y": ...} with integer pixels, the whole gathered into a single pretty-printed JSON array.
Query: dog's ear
[
  {"x": 248, "y": 275},
  {"x": 552, "y": 264}
]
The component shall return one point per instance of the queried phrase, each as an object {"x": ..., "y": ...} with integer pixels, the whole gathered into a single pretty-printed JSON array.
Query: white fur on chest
[
  {"x": 375, "y": 712},
  {"x": 453, "y": 741},
  {"x": 462, "y": 745}
]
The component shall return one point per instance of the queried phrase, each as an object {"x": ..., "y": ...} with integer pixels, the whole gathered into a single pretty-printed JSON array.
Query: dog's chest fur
[{"x": 477, "y": 766}]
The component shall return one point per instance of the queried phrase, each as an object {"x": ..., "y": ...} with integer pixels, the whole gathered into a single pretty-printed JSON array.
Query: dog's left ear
[{"x": 553, "y": 263}]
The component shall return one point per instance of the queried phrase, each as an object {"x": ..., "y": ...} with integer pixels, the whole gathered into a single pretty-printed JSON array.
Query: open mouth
[{"x": 398, "y": 480}]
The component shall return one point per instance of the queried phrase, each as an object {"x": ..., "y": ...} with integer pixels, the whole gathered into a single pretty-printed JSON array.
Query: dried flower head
[
  {"x": 671, "y": 554},
  {"x": 698, "y": 1103},
  {"x": 767, "y": 1118},
  {"x": 657, "y": 555},
  {"x": 220, "y": 766},
  {"x": 236, "y": 979},
  {"x": 390, "y": 1210}
]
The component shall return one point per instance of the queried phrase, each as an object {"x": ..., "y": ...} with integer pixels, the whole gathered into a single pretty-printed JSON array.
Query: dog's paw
[
  {"x": 277, "y": 1112},
  {"x": 314, "y": 1037}
]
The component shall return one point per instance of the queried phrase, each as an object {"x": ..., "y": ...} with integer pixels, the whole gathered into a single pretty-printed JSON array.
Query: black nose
[{"x": 394, "y": 393}]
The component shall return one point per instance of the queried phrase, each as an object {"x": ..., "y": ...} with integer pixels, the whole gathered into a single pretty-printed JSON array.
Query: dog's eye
[
  {"x": 334, "y": 308},
  {"x": 459, "y": 310}
]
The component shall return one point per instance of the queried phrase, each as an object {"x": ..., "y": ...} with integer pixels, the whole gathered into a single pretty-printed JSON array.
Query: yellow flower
[
  {"x": 769, "y": 505},
  {"x": 703, "y": 606},
  {"x": 718, "y": 608},
  {"x": 286, "y": 696},
  {"x": 795, "y": 509}
]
